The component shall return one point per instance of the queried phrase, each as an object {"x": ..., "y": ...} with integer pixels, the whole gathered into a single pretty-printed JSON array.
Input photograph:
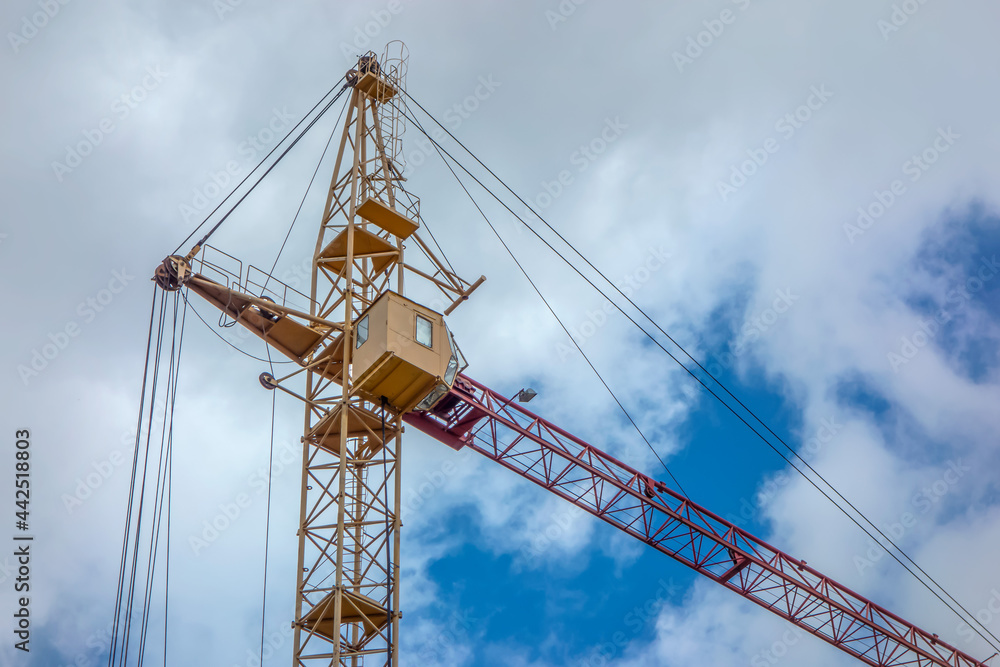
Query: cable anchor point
[
  {"x": 172, "y": 273},
  {"x": 267, "y": 381}
]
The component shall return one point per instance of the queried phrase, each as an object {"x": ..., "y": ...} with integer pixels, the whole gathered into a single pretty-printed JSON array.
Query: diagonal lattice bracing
[{"x": 476, "y": 417}]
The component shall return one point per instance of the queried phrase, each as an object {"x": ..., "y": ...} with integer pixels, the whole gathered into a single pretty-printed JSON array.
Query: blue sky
[{"x": 814, "y": 185}]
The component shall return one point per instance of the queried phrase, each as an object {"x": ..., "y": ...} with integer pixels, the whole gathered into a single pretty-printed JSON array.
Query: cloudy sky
[{"x": 799, "y": 193}]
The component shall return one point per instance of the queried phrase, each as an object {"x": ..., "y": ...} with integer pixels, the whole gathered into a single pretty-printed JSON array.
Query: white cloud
[{"x": 656, "y": 186}]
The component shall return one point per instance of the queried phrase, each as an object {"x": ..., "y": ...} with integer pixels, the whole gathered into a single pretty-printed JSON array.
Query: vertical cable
[
  {"x": 267, "y": 520},
  {"x": 161, "y": 485},
  {"x": 170, "y": 485},
  {"x": 131, "y": 491},
  {"x": 123, "y": 658},
  {"x": 267, "y": 527}
]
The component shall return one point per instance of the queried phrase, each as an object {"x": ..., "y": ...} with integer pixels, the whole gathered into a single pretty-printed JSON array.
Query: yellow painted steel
[
  {"x": 356, "y": 388},
  {"x": 387, "y": 218}
]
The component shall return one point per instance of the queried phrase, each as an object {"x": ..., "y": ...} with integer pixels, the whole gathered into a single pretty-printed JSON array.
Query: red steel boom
[{"x": 471, "y": 415}]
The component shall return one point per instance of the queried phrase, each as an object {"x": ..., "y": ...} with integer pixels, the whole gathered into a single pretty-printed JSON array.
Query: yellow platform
[
  {"x": 366, "y": 245},
  {"x": 375, "y": 86},
  {"x": 360, "y": 424},
  {"x": 357, "y": 608},
  {"x": 387, "y": 218}
]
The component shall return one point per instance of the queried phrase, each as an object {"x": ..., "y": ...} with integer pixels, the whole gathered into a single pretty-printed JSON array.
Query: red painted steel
[{"x": 475, "y": 416}]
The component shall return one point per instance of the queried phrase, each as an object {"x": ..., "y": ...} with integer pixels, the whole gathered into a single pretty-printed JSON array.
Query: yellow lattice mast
[{"x": 369, "y": 355}]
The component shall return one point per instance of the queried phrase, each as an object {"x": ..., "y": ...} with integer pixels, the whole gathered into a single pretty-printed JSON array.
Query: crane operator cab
[{"x": 404, "y": 352}]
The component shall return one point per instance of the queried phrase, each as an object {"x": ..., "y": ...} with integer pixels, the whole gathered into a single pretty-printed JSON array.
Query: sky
[{"x": 798, "y": 193}]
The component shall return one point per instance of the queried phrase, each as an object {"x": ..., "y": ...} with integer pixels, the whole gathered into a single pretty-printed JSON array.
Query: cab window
[
  {"x": 425, "y": 331},
  {"x": 361, "y": 332}
]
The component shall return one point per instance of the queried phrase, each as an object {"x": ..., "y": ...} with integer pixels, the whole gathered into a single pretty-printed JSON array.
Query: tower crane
[{"x": 373, "y": 360}]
